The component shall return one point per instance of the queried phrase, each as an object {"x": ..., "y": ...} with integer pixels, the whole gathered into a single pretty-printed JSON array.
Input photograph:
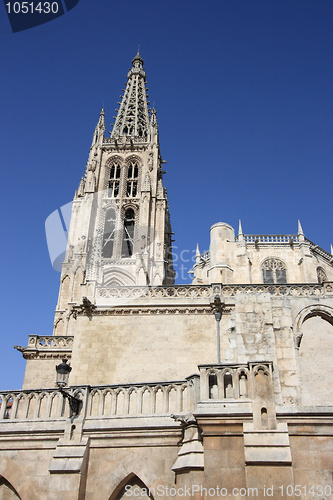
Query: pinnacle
[
  {"x": 300, "y": 230},
  {"x": 240, "y": 230}
]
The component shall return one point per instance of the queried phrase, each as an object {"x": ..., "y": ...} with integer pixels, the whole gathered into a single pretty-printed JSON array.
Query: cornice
[{"x": 150, "y": 311}]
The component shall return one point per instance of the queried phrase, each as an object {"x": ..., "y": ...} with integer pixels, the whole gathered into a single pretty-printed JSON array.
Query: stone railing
[
  {"x": 231, "y": 381},
  {"x": 270, "y": 238},
  {"x": 134, "y": 292},
  {"x": 50, "y": 342},
  {"x": 148, "y": 399},
  {"x": 122, "y": 140},
  {"x": 205, "y": 256},
  {"x": 43, "y": 404},
  {"x": 287, "y": 290},
  {"x": 47, "y": 346},
  {"x": 164, "y": 398},
  {"x": 208, "y": 291}
]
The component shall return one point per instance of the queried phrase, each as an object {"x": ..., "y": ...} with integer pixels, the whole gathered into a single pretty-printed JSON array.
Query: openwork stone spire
[{"x": 133, "y": 118}]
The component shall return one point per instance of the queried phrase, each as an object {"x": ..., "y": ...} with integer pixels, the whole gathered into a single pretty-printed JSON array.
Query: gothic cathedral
[{"x": 154, "y": 390}]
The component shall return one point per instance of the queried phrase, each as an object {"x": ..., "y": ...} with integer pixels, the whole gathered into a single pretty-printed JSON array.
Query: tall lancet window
[
  {"x": 128, "y": 236},
  {"x": 109, "y": 233},
  {"x": 132, "y": 180},
  {"x": 114, "y": 181},
  {"x": 274, "y": 271}
]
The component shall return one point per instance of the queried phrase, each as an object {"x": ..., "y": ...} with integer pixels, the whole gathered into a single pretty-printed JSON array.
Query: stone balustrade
[
  {"x": 230, "y": 381},
  {"x": 270, "y": 238},
  {"x": 149, "y": 399},
  {"x": 44, "y": 404},
  {"x": 208, "y": 291},
  {"x": 50, "y": 342},
  {"x": 123, "y": 140},
  {"x": 291, "y": 290},
  {"x": 168, "y": 292}
]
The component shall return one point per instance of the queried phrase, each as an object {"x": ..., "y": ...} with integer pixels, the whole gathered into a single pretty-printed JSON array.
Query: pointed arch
[
  {"x": 78, "y": 280},
  {"x": 7, "y": 490},
  {"x": 314, "y": 344},
  {"x": 325, "y": 312},
  {"x": 134, "y": 483},
  {"x": 59, "y": 326},
  {"x": 128, "y": 233},
  {"x": 109, "y": 233},
  {"x": 274, "y": 271},
  {"x": 65, "y": 293},
  {"x": 114, "y": 276}
]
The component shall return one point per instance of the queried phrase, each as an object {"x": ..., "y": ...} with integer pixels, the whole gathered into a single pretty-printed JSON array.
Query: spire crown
[
  {"x": 137, "y": 62},
  {"x": 133, "y": 116}
]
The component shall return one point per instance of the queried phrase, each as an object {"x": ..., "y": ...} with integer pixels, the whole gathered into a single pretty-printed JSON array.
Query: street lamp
[
  {"x": 217, "y": 306},
  {"x": 63, "y": 370}
]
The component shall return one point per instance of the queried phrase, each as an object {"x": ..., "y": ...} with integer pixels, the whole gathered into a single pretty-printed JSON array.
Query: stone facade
[{"x": 219, "y": 388}]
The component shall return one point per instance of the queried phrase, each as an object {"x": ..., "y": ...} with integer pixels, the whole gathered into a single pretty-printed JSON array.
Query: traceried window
[
  {"x": 274, "y": 271},
  {"x": 132, "y": 180},
  {"x": 128, "y": 235},
  {"x": 321, "y": 275},
  {"x": 114, "y": 181},
  {"x": 109, "y": 233}
]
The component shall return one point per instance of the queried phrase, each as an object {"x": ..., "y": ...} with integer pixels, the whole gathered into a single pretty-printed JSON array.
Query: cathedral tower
[{"x": 120, "y": 233}]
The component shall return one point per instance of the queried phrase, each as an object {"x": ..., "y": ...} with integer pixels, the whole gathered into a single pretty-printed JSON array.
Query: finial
[
  {"x": 331, "y": 249},
  {"x": 197, "y": 253},
  {"x": 240, "y": 230},
  {"x": 300, "y": 230}
]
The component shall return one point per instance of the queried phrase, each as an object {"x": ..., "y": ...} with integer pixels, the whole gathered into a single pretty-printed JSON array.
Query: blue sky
[{"x": 243, "y": 91}]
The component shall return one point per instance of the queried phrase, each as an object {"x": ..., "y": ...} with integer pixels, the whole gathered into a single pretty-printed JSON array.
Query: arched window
[
  {"x": 128, "y": 235},
  {"x": 114, "y": 181},
  {"x": 321, "y": 275},
  {"x": 228, "y": 386},
  {"x": 132, "y": 180},
  {"x": 213, "y": 391},
  {"x": 274, "y": 271},
  {"x": 109, "y": 233}
]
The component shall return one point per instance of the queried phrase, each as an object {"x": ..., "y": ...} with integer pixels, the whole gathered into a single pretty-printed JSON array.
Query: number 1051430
[{"x": 32, "y": 7}]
